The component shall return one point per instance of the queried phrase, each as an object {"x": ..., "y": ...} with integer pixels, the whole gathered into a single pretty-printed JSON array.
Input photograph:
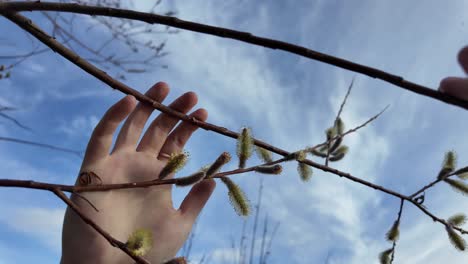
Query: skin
[
  {"x": 457, "y": 86},
  {"x": 121, "y": 212},
  {"x": 124, "y": 211}
]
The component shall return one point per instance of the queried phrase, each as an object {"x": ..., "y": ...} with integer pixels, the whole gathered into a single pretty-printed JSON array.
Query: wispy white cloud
[
  {"x": 79, "y": 126},
  {"x": 40, "y": 223}
]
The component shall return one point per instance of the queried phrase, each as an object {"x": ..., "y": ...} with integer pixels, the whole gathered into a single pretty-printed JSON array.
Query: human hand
[
  {"x": 457, "y": 86},
  {"x": 121, "y": 212}
]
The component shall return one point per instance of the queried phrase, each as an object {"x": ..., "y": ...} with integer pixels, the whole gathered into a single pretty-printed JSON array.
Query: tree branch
[{"x": 8, "y": 8}]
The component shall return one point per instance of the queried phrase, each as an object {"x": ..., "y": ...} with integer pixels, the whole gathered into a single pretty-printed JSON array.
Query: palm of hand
[{"x": 121, "y": 212}]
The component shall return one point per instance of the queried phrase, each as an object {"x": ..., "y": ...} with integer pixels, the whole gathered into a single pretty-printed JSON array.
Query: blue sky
[{"x": 287, "y": 101}]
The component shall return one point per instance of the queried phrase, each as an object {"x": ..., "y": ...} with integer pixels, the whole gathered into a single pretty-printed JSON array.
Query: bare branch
[
  {"x": 42, "y": 145},
  {"x": 8, "y": 8}
]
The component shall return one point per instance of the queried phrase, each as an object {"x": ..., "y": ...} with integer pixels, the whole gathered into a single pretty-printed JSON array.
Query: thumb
[
  {"x": 455, "y": 86},
  {"x": 196, "y": 199}
]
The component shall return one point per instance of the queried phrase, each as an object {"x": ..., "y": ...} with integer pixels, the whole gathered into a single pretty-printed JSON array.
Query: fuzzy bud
[
  {"x": 224, "y": 158},
  {"x": 140, "y": 242},
  {"x": 237, "y": 197},
  {"x": 448, "y": 164},
  {"x": 244, "y": 146},
  {"x": 386, "y": 256},
  {"x": 264, "y": 154},
  {"x": 305, "y": 171},
  {"x": 457, "y": 220},
  {"x": 339, "y": 126},
  {"x": 275, "y": 169},
  {"x": 457, "y": 241},
  {"x": 174, "y": 164},
  {"x": 458, "y": 186},
  {"x": 394, "y": 232},
  {"x": 191, "y": 179}
]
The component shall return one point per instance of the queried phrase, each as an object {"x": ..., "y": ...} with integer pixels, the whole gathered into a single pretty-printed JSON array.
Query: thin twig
[
  {"x": 268, "y": 249},
  {"x": 254, "y": 230},
  {"x": 398, "y": 222},
  {"x": 337, "y": 117},
  {"x": 18, "y": 123},
  {"x": 42, "y": 145}
]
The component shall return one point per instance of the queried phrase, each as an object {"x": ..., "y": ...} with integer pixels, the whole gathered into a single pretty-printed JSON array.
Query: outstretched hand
[
  {"x": 457, "y": 86},
  {"x": 121, "y": 212}
]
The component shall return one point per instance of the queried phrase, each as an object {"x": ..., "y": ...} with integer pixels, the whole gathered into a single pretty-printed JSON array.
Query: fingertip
[
  {"x": 463, "y": 58},
  {"x": 201, "y": 114},
  {"x": 158, "y": 91},
  {"x": 209, "y": 184},
  {"x": 130, "y": 99},
  {"x": 455, "y": 86},
  {"x": 192, "y": 97},
  {"x": 197, "y": 198}
]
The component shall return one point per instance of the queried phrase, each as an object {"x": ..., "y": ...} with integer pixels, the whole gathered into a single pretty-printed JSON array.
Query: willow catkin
[
  {"x": 275, "y": 169},
  {"x": 224, "y": 158},
  {"x": 140, "y": 242},
  {"x": 457, "y": 219},
  {"x": 385, "y": 256},
  {"x": 448, "y": 165},
  {"x": 238, "y": 199},
  {"x": 457, "y": 241},
  {"x": 174, "y": 164},
  {"x": 191, "y": 179},
  {"x": 394, "y": 232},
  {"x": 305, "y": 171},
  {"x": 263, "y": 154},
  {"x": 458, "y": 186},
  {"x": 244, "y": 146}
]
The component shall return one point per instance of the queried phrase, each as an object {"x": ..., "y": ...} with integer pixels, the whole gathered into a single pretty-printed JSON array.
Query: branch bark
[{"x": 11, "y": 7}]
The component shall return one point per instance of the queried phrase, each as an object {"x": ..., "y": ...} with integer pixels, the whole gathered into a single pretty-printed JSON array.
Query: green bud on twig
[
  {"x": 463, "y": 176},
  {"x": 339, "y": 153},
  {"x": 224, "y": 158},
  {"x": 174, "y": 164},
  {"x": 237, "y": 197},
  {"x": 448, "y": 165},
  {"x": 275, "y": 169},
  {"x": 458, "y": 185},
  {"x": 305, "y": 171},
  {"x": 191, "y": 179},
  {"x": 457, "y": 241},
  {"x": 386, "y": 256},
  {"x": 339, "y": 126},
  {"x": 330, "y": 133},
  {"x": 140, "y": 242},
  {"x": 341, "y": 150},
  {"x": 394, "y": 232},
  {"x": 323, "y": 148},
  {"x": 462, "y": 173},
  {"x": 318, "y": 153},
  {"x": 457, "y": 220},
  {"x": 263, "y": 154},
  {"x": 336, "y": 144},
  {"x": 244, "y": 146}
]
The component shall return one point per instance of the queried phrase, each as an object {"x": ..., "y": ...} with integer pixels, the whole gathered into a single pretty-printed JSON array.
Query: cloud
[
  {"x": 80, "y": 126},
  {"x": 40, "y": 223}
]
